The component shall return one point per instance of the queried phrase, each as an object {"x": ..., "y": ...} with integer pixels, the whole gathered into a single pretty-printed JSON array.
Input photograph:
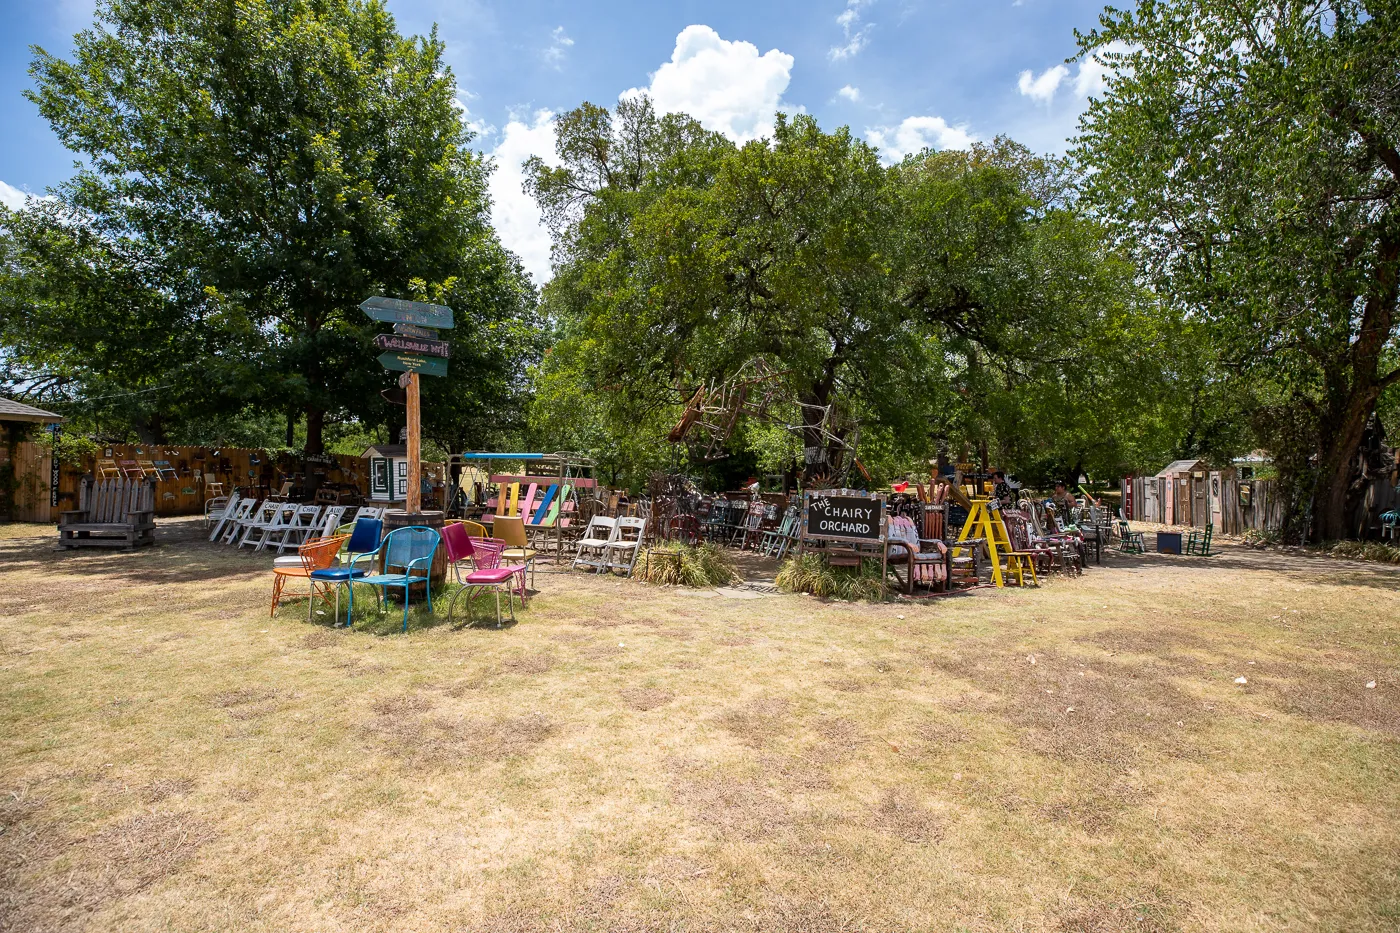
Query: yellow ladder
[{"x": 983, "y": 523}]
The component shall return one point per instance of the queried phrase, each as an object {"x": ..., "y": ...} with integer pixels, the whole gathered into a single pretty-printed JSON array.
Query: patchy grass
[{"x": 1070, "y": 759}]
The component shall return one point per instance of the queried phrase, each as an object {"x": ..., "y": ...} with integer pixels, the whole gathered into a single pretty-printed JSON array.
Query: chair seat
[
  {"x": 594, "y": 542},
  {"x": 339, "y": 574},
  {"x": 519, "y": 553},
  {"x": 494, "y": 575},
  {"x": 390, "y": 579},
  {"x": 297, "y": 571}
]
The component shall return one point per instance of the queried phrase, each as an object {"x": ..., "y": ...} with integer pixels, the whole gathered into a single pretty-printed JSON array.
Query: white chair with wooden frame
[
  {"x": 593, "y": 546},
  {"x": 621, "y": 552}
]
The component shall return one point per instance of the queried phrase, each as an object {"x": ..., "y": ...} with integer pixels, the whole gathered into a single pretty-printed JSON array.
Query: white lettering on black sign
[{"x": 845, "y": 517}]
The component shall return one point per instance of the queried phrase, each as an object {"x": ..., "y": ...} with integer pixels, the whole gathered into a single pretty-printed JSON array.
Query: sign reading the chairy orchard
[
  {"x": 848, "y": 517},
  {"x": 398, "y": 311},
  {"x": 413, "y": 345}
]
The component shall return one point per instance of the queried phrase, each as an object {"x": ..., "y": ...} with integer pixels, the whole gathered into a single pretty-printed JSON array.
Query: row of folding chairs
[
  {"x": 610, "y": 544},
  {"x": 263, "y": 524}
]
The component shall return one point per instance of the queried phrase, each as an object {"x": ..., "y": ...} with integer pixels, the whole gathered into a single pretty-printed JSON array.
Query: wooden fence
[
  {"x": 1232, "y": 505},
  {"x": 185, "y": 475}
]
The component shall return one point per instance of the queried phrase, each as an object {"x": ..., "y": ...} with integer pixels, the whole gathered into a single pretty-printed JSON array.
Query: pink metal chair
[{"x": 484, "y": 557}]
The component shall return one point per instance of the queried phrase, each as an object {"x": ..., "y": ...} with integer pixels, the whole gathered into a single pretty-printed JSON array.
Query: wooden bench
[{"x": 111, "y": 513}]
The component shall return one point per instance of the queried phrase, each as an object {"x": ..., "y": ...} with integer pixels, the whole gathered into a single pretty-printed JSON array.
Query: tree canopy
[
  {"x": 954, "y": 299},
  {"x": 1247, "y": 154},
  {"x": 252, "y": 172}
]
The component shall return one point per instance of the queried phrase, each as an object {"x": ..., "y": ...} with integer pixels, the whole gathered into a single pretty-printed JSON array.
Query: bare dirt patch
[{"x": 646, "y": 698}]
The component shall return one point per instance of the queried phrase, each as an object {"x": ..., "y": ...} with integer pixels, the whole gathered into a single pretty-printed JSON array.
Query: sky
[{"x": 903, "y": 74}]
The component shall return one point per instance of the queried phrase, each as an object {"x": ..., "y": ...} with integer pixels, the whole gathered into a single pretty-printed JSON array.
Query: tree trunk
[
  {"x": 1337, "y": 497},
  {"x": 315, "y": 423}
]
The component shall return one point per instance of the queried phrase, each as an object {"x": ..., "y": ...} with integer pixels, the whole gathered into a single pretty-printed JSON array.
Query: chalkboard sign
[{"x": 844, "y": 517}]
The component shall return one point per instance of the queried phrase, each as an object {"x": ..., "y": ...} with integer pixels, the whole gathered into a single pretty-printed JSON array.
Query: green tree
[
  {"x": 950, "y": 298},
  {"x": 1248, "y": 154},
  {"x": 285, "y": 159}
]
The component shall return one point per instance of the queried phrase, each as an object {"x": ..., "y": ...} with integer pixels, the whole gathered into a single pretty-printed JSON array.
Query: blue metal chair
[
  {"x": 409, "y": 551},
  {"x": 364, "y": 538}
]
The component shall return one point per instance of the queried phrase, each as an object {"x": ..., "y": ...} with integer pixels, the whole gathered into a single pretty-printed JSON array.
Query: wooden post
[{"x": 414, "y": 502}]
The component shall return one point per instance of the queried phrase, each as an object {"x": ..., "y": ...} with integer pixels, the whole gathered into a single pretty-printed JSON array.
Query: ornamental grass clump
[
  {"x": 672, "y": 563},
  {"x": 809, "y": 573},
  {"x": 1366, "y": 550}
]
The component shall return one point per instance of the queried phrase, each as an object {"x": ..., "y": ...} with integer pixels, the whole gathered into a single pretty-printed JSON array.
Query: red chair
[{"x": 484, "y": 555}]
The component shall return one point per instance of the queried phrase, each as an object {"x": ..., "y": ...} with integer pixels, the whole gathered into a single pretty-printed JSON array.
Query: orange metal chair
[{"x": 317, "y": 554}]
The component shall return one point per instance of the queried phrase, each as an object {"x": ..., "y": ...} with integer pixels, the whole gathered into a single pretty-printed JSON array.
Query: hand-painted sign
[
  {"x": 850, "y": 518},
  {"x": 395, "y": 310},
  {"x": 413, "y": 345},
  {"x": 413, "y": 363},
  {"x": 413, "y": 330}
]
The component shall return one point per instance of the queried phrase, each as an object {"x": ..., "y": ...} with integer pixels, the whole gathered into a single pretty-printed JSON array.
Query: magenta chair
[{"x": 486, "y": 571}]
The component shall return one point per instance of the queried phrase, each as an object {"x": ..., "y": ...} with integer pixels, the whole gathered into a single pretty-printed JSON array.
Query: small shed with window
[{"x": 388, "y": 472}]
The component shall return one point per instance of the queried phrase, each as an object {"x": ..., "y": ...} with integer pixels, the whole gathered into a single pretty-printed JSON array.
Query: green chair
[
  {"x": 1198, "y": 542},
  {"x": 1129, "y": 541}
]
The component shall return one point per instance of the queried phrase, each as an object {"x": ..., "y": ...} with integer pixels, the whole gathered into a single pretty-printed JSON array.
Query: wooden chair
[
  {"x": 1129, "y": 541},
  {"x": 110, "y": 513},
  {"x": 1198, "y": 542}
]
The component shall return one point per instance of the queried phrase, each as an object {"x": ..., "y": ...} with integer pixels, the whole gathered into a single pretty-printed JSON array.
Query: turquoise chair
[{"x": 405, "y": 558}]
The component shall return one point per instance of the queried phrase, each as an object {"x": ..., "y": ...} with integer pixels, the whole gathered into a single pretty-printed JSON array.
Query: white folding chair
[
  {"x": 232, "y": 525},
  {"x": 282, "y": 515},
  {"x": 593, "y": 546},
  {"x": 305, "y": 520},
  {"x": 621, "y": 552},
  {"x": 216, "y": 509}
]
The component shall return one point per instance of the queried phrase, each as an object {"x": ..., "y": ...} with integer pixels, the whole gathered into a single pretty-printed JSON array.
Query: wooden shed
[{"x": 26, "y": 471}]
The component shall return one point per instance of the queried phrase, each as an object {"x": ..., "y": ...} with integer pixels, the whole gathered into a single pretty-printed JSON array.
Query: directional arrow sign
[
  {"x": 413, "y": 330},
  {"x": 395, "y": 310},
  {"x": 412, "y": 363},
  {"x": 413, "y": 345}
]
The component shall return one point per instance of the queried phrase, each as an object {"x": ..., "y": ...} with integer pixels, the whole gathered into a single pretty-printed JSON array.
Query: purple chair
[{"x": 484, "y": 555}]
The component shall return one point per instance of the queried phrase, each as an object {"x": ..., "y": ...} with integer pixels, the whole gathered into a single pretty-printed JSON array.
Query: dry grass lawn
[{"x": 1073, "y": 758}]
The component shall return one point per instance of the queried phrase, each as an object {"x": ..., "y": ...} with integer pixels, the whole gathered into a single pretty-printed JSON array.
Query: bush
[
  {"x": 810, "y": 573},
  {"x": 675, "y": 564},
  {"x": 1365, "y": 550}
]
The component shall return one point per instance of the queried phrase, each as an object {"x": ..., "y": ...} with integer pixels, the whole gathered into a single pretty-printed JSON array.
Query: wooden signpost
[{"x": 413, "y": 349}]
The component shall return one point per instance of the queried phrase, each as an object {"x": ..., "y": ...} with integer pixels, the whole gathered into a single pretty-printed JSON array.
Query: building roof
[
  {"x": 1181, "y": 466},
  {"x": 10, "y": 410},
  {"x": 388, "y": 451}
]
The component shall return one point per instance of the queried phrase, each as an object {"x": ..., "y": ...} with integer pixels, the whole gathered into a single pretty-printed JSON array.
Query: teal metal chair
[
  {"x": 1129, "y": 541},
  {"x": 405, "y": 559}
]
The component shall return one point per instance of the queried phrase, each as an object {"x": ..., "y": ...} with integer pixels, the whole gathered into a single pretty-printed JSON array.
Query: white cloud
[
  {"x": 12, "y": 197},
  {"x": 1042, "y": 88},
  {"x": 916, "y": 134},
  {"x": 514, "y": 213},
  {"x": 559, "y": 44},
  {"x": 725, "y": 85},
  {"x": 851, "y": 94},
  {"x": 857, "y": 36}
]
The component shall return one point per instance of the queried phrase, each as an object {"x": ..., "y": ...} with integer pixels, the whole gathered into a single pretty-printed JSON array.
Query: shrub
[
  {"x": 1365, "y": 550},
  {"x": 675, "y": 564},
  {"x": 810, "y": 573}
]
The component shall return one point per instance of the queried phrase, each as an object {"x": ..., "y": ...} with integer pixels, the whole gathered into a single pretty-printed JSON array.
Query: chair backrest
[
  {"x": 630, "y": 529},
  {"x": 366, "y": 535},
  {"x": 548, "y": 508},
  {"x": 511, "y": 530},
  {"x": 334, "y": 515},
  {"x": 410, "y": 549},
  {"x": 307, "y": 516},
  {"x": 475, "y": 529},
  {"x": 318, "y": 553},
  {"x": 601, "y": 526},
  {"x": 903, "y": 534},
  {"x": 486, "y": 553},
  {"x": 457, "y": 542}
]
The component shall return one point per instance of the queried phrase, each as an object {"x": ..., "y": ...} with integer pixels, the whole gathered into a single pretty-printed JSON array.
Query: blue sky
[{"x": 901, "y": 73}]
